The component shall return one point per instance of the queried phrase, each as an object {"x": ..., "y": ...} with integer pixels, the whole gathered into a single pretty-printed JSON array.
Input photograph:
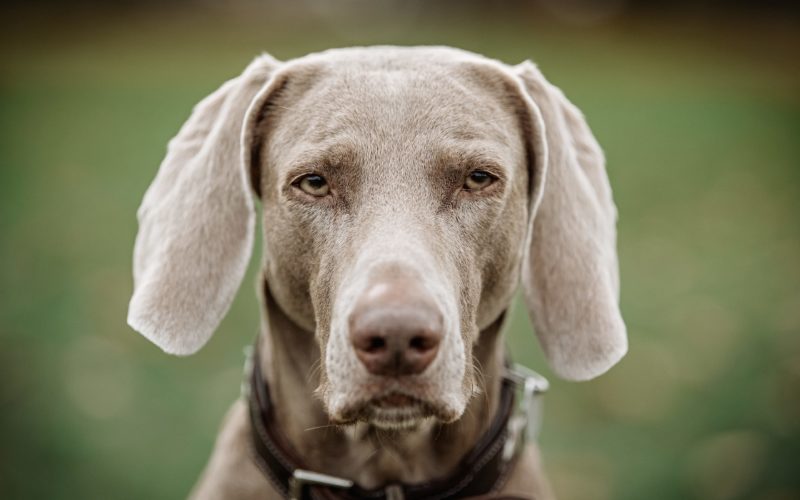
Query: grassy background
[{"x": 700, "y": 120}]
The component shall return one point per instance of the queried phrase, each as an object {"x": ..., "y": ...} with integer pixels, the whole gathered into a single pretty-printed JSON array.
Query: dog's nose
[{"x": 394, "y": 330}]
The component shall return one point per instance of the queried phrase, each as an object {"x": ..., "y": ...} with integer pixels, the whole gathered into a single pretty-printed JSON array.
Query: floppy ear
[
  {"x": 570, "y": 273},
  {"x": 196, "y": 220}
]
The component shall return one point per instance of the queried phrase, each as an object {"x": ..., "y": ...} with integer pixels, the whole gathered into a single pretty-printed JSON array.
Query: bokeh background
[{"x": 695, "y": 103}]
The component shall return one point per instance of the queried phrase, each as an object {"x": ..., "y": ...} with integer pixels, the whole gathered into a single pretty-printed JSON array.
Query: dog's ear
[
  {"x": 196, "y": 221},
  {"x": 570, "y": 273}
]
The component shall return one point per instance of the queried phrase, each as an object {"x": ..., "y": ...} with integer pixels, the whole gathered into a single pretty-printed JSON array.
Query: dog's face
[
  {"x": 397, "y": 205},
  {"x": 399, "y": 189}
]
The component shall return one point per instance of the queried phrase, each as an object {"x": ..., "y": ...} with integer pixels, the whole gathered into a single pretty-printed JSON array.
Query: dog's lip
[
  {"x": 381, "y": 398},
  {"x": 395, "y": 400},
  {"x": 389, "y": 406},
  {"x": 396, "y": 411}
]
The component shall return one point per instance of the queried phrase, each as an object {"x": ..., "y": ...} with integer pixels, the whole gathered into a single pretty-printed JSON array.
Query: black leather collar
[{"x": 482, "y": 471}]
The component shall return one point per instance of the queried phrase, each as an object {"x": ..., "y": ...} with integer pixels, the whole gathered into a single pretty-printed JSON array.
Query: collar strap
[{"x": 482, "y": 470}]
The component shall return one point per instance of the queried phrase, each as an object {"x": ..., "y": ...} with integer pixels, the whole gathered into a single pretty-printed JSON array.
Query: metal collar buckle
[
  {"x": 524, "y": 424},
  {"x": 302, "y": 478}
]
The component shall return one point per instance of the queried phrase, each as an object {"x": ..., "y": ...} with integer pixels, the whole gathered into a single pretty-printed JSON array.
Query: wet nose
[{"x": 395, "y": 329}]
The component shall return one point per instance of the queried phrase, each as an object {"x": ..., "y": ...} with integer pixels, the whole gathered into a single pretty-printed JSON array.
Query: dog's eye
[
  {"x": 478, "y": 180},
  {"x": 313, "y": 184}
]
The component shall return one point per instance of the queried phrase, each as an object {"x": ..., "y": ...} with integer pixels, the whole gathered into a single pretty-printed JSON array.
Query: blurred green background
[{"x": 698, "y": 111}]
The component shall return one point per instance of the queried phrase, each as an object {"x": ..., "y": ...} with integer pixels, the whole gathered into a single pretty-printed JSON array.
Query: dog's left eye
[
  {"x": 313, "y": 184},
  {"x": 478, "y": 179}
]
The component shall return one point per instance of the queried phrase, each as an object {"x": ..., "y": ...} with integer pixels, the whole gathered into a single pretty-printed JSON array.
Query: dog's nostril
[
  {"x": 375, "y": 344},
  {"x": 421, "y": 343}
]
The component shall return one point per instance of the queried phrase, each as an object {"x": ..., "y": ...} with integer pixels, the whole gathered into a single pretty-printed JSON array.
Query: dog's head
[{"x": 405, "y": 191}]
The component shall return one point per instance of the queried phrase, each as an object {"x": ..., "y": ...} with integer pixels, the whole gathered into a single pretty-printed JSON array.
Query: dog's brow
[
  {"x": 470, "y": 158},
  {"x": 325, "y": 156}
]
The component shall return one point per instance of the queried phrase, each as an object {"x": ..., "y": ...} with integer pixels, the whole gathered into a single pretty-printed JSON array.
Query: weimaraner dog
[{"x": 405, "y": 193}]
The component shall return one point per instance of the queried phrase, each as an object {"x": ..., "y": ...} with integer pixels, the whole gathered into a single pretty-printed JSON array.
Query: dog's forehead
[{"x": 406, "y": 99}]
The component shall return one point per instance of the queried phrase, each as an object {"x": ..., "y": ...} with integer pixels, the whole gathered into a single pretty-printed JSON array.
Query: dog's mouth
[
  {"x": 395, "y": 400},
  {"x": 397, "y": 411},
  {"x": 394, "y": 410}
]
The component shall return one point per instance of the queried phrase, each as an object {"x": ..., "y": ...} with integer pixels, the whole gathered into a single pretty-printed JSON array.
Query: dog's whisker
[
  {"x": 369, "y": 456},
  {"x": 314, "y": 371},
  {"x": 439, "y": 430},
  {"x": 327, "y": 426},
  {"x": 388, "y": 444},
  {"x": 288, "y": 108},
  {"x": 480, "y": 380}
]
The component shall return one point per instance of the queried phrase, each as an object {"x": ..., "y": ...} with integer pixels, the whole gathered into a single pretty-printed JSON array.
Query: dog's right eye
[{"x": 313, "y": 184}]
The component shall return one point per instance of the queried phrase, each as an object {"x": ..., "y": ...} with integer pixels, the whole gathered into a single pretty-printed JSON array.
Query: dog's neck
[{"x": 368, "y": 455}]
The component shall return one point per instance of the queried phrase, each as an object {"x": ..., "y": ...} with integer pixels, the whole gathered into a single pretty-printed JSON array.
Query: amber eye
[
  {"x": 313, "y": 184},
  {"x": 478, "y": 180}
]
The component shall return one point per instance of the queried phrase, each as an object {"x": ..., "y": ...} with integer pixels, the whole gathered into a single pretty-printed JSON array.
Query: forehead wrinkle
[
  {"x": 336, "y": 150},
  {"x": 465, "y": 153},
  {"x": 385, "y": 100}
]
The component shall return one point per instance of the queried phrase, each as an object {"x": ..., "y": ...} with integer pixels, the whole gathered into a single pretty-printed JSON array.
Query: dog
[{"x": 405, "y": 193}]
